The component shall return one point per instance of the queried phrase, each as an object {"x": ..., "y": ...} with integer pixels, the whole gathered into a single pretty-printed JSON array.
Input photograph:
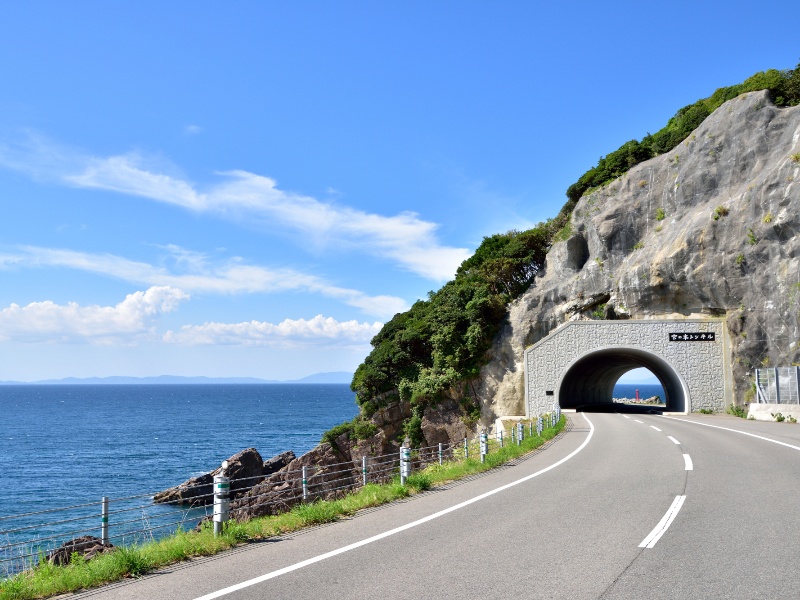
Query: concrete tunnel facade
[{"x": 578, "y": 364}]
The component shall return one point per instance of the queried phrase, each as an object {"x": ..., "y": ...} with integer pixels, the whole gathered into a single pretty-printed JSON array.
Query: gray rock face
[{"x": 708, "y": 229}]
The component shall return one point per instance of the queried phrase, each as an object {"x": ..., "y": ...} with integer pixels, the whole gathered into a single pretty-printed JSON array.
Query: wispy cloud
[
  {"x": 319, "y": 331},
  {"x": 404, "y": 238},
  {"x": 131, "y": 320},
  {"x": 192, "y": 129},
  {"x": 199, "y": 275}
]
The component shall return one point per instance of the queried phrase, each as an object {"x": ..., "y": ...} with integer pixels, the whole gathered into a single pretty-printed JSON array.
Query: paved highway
[{"x": 621, "y": 506}]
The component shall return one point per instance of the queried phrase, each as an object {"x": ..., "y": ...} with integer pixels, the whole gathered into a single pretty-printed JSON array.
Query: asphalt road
[{"x": 568, "y": 522}]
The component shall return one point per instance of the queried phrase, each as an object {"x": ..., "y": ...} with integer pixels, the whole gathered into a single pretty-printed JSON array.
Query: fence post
[
  {"x": 440, "y": 453},
  {"x": 530, "y": 430},
  {"x": 364, "y": 470},
  {"x": 513, "y": 434},
  {"x": 466, "y": 449},
  {"x": 104, "y": 520},
  {"x": 500, "y": 437},
  {"x": 520, "y": 432},
  {"x": 222, "y": 487},
  {"x": 405, "y": 464},
  {"x": 305, "y": 484}
]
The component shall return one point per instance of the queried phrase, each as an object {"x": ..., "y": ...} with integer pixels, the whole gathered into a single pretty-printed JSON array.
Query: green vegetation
[
  {"x": 739, "y": 260},
  {"x": 660, "y": 214},
  {"x": 706, "y": 411},
  {"x": 720, "y": 211},
  {"x": 778, "y": 417},
  {"x": 768, "y": 218},
  {"x": 737, "y": 411},
  {"x": 752, "y": 240},
  {"x": 442, "y": 341},
  {"x": 49, "y": 580},
  {"x": 795, "y": 157}
]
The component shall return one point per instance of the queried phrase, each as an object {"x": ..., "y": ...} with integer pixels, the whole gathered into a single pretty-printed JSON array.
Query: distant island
[{"x": 332, "y": 377}]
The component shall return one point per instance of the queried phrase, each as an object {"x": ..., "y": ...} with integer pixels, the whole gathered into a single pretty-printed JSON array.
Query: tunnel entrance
[
  {"x": 588, "y": 384},
  {"x": 578, "y": 363}
]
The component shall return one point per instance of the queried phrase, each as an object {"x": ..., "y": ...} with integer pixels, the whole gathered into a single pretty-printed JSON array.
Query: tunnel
[{"x": 589, "y": 381}]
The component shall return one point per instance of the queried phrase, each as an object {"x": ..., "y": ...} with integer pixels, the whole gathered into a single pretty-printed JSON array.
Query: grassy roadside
[{"x": 48, "y": 580}]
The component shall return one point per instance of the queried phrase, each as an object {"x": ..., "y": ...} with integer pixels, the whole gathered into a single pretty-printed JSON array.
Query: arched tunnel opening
[{"x": 588, "y": 384}]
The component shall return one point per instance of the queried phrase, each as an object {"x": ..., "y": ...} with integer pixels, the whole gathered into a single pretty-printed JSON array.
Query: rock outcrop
[
  {"x": 708, "y": 229},
  {"x": 86, "y": 546},
  {"x": 245, "y": 469}
]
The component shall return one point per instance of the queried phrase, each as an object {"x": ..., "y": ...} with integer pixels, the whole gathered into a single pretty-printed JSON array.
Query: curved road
[{"x": 621, "y": 506}]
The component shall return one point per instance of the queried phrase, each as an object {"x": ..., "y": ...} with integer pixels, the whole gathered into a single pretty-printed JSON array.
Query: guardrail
[
  {"x": 30, "y": 537},
  {"x": 780, "y": 385}
]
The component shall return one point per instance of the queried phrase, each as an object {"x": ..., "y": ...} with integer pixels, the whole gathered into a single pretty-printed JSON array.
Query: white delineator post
[
  {"x": 222, "y": 503},
  {"x": 484, "y": 446},
  {"x": 104, "y": 519},
  {"x": 405, "y": 464}
]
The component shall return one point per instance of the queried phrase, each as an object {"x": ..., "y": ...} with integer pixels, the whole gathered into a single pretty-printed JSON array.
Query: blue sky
[{"x": 253, "y": 188}]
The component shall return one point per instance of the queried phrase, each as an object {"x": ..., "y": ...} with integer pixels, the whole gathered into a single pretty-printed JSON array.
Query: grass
[
  {"x": 737, "y": 411},
  {"x": 134, "y": 561}
]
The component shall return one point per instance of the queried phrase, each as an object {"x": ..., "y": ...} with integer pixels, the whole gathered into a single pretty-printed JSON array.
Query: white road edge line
[
  {"x": 760, "y": 437},
  {"x": 664, "y": 523},
  {"x": 654, "y": 427},
  {"x": 674, "y": 441},
  {"x": 626, "y": 416},
  {"x": 385, "y": 534},
  {"x": 638, "y": 421},
  {"x": 688, "y": 462}
]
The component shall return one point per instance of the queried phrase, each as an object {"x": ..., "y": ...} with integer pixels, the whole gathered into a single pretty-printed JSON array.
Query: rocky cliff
[{"x": 708, "y": 229}]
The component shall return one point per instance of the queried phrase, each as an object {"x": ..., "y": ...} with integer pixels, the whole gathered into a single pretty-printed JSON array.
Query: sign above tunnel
[{"x": 705, "y": 336}]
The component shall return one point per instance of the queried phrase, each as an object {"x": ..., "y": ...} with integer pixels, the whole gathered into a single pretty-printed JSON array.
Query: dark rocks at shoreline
[
  {"x": 245, "y": 469},
  {"x": 86, "y": 546}
]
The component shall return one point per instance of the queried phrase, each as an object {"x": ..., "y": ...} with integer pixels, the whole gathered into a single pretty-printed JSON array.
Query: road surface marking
[
  {"x": 385, "y": 534},
  {"x": 688, "y": 462},
  {"x": 760, "y": 437},
  {"x": 654, "y": 427},
  {"x": 674, "y": 441},
  {"x": 638, "y": 421},
  {"x": 664, "y": 523},
  {"x": 626, "y": 416}
]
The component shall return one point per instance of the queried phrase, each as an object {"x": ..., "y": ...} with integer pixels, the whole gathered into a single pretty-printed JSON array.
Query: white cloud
[
  {"x": 128, "y": 321},
  {"x": 192, "y": 129},
  {"x": 201, "y": 276},
  {"x": 319, "y": 331},
  {"x": 243, "y": 196}
]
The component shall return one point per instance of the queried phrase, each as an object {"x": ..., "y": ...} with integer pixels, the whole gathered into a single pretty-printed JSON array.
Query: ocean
[
  {"x": 66, "y": 445},
  {"x": 645, "y": 391}
]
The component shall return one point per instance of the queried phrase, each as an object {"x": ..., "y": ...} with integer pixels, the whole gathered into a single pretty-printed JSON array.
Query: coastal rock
[
  {"x": 245, "y": 469},
  {"x": 86, "y": 546},
  {"x": 329, "y": 473},
  {"x": 708, "y": 229},
  {"x": 278, "y": 462}
]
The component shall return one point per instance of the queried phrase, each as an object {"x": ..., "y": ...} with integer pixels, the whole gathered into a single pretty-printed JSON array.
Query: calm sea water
[
  {"x": 62, "y": 445},
  {"x": 645, "y": 391},
  {"x": 65, "y": 443}
]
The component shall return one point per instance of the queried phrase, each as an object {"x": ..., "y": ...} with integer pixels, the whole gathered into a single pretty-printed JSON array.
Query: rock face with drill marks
[{"x": 706, "y": 230}]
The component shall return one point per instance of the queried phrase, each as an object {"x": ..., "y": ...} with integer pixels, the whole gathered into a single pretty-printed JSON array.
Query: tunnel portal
[{"x": 578, "y": 364}]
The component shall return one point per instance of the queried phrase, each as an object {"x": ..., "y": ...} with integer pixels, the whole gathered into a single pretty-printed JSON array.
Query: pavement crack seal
[{"x": 396, "y": 530}]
